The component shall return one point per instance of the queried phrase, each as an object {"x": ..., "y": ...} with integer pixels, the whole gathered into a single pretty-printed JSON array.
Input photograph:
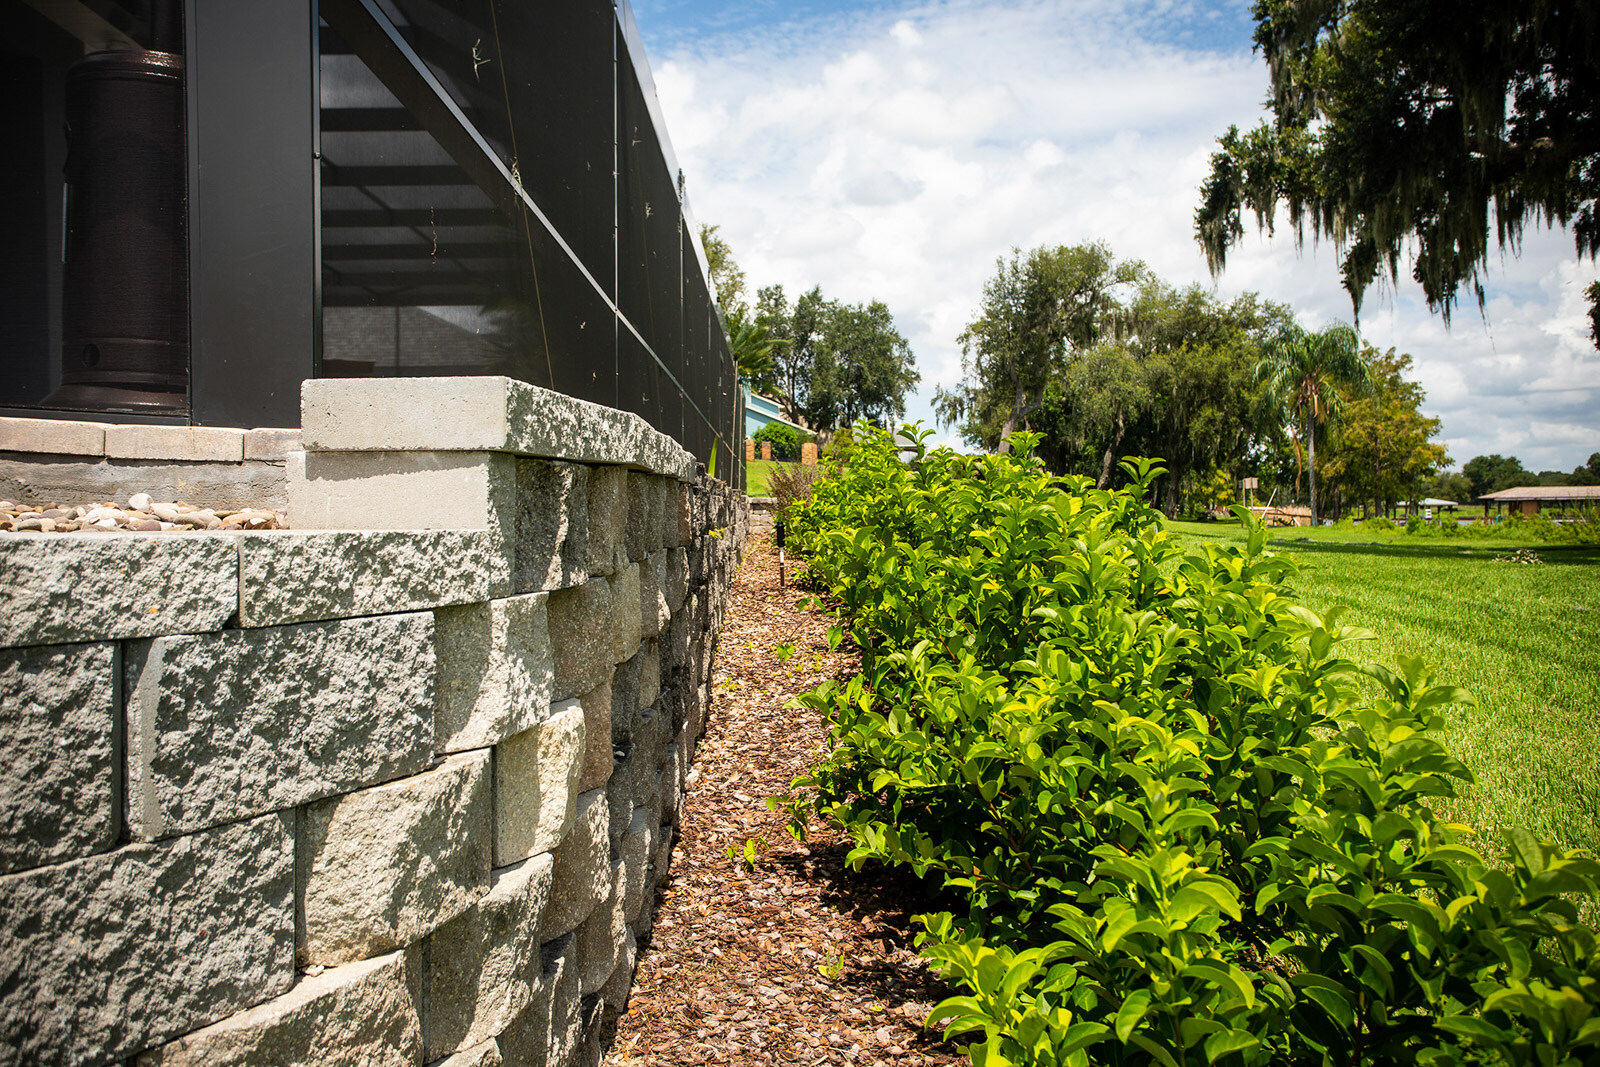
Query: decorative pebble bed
[{"x": 140, "y": 513}]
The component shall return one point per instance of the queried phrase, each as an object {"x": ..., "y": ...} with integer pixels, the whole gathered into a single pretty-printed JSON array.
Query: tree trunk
[
  {"x": 1172, "y": 492},
  {"x": 1111, "y": 454},
  {"x": 1311, "y": 465}
]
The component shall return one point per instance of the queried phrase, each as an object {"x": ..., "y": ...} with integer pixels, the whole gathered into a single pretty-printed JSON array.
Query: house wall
[{"x": 391, "y": 787}]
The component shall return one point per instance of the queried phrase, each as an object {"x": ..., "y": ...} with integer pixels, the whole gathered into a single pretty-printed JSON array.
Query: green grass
[
  {"x": 1525, "y": 640},
  {"x": 756, "y": 473}
]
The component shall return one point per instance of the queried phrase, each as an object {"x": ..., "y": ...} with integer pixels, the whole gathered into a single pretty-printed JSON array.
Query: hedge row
[{"x": 1185, "y": 832}]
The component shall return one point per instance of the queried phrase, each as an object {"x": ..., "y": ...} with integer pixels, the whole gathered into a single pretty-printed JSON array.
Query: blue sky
[{"x": 892, "y": 150}]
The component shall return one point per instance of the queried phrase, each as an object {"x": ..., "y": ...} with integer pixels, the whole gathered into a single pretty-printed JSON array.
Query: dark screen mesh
[{"x": 434, "y": 265}]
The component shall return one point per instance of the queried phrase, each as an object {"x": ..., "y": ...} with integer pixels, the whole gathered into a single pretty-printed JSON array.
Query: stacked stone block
[{"x": 387, "y": 795}]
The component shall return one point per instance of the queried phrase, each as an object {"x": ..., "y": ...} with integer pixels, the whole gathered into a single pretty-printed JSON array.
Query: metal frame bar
[{"x": 380, "y": 44}]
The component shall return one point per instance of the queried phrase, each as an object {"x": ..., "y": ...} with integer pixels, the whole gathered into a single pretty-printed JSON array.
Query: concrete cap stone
[
  {"x": 479, "y": 413},
  {"x": 56, "y": 437},
  {"x": 271, "y": 444},
  {"x": 216, "y": 444}
]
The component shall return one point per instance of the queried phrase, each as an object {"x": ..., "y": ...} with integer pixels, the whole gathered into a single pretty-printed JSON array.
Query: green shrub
[
  {"x": 1184, "y": 833},
  {"x": 786, "y": 441}
]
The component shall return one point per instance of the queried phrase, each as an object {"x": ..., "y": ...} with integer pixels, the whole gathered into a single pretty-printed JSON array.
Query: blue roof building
[{"x": 760, "y": 410}]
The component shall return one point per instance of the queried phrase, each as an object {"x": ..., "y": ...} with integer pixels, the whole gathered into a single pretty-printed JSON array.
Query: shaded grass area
[
  {"x": 1524, "y": 639},
  {"x": 756, "y": 473}
]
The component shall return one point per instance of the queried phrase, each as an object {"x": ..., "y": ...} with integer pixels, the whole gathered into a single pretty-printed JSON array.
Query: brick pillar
[
  {"x": 766, "y": 450},
  {"x": 808, "y": 454},
  {"x": 749, "y": 450}
]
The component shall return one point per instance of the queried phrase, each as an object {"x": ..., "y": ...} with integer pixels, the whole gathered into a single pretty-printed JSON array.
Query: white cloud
[{"x": 895, "y": 154}]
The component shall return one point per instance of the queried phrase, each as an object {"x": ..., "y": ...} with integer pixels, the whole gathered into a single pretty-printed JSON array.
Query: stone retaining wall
[{"x": 368, "y": 796}]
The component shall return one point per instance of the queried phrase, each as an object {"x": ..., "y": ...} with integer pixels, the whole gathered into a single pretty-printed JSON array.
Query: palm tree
[
  {"x": 1303, "y": 372},
  {"x": 752, "y": 344}
]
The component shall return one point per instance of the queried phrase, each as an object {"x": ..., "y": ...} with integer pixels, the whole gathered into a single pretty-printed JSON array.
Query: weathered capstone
[
  {"x": 495, "y": 671},
  {"x": 595, "y": 707},
  {"x": 358, "y": 1015},
  {"x": 638, "y": 851},
  {"x": 383, "y": 866},
  {"x": 103, "y": 957},
  {"x": 676, "y": 585},
  {"x": 581, "y": 635},
  {"x": 294, "y": 575},
  {"x": 536, "y": 785},
  {"x": 228, "y": 725},
  {"x": 624, "y": 629},
  {"x": 608, "y": 519},
  {"x": 113, "y": 586},
  {"x": 582, "y": 878},
  {"x": 58, "y": 753},
  {"x": 550, "y": 547},
  {"x": 479, "y": 963}
]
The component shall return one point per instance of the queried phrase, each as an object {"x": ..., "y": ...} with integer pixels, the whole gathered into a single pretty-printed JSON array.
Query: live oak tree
[
  {"x": 1437, "y": 125},
  {"x": 1039, "y": 312},
  {"x": 1386, "y": 452},
  {"x": 836, "y": 362}
]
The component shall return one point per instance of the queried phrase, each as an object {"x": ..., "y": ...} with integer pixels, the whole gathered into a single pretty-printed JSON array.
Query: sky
[{"x": 894, "y": 149}]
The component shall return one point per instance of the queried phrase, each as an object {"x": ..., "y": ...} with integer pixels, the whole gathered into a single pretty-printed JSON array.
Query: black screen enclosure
[{"x": 218, "y": 199}]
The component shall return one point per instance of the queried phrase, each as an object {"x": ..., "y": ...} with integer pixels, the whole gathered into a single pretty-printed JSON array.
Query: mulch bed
[{"x": 798, "y": 960}]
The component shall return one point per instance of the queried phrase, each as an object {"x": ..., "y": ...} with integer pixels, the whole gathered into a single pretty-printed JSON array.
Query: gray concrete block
[
  {"x": 595, "y": 706},
  {"x": 675, "y": 587},
  {"x": 480, "y": 963},
  {"x": 643, "y": 515},
  {"x": 59, "y": 755},
  {"x": 97, "y": 587},
  {"x": 45, "y": 478},
  {"x": 496, "y": 671},
  {"x": 63, "y": 437},
  {"x": 582, "y": 878},
  {"x": 608, "y": 519},
  {"x": 486, "y": 1054},
  {"x": 384, "y": 866},
  {"x": 409, "y": 491},
  {"x": 103, "y": 957},
  {"x": 636, "y": 783},
  {"x": 297, "y": 576},
  {"x": 654, "y": 611},
  {"x": 638, "y": 851},
  {"x": 551, "y": 527},
  {"x": 229, "y": 725},
  {"x": 539, "y": 1035},
  {"x": 358, "y": 1015},
  {"x": 634, "y": 687},
  {"x": 602, "y": 936},
  {"x": 620, "y": 984},
  {"x": 625, "y": 630},
  {"x": 536, "y": 786},
  {"x": 581, "y": 637}
]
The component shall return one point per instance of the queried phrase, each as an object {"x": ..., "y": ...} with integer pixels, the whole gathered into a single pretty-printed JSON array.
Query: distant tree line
[
  {"x": 1106, "y": 360},
  {"x": 828, "y": 364}
]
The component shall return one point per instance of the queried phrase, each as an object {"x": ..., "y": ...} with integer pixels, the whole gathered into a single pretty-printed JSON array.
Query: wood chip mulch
[{"x": 798, "y": 960}]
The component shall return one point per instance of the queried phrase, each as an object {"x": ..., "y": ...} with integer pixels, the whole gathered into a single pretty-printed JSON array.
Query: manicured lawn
[
  {"x": 756, "y": 473},
  {"x": 1525, "y": 639}
]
